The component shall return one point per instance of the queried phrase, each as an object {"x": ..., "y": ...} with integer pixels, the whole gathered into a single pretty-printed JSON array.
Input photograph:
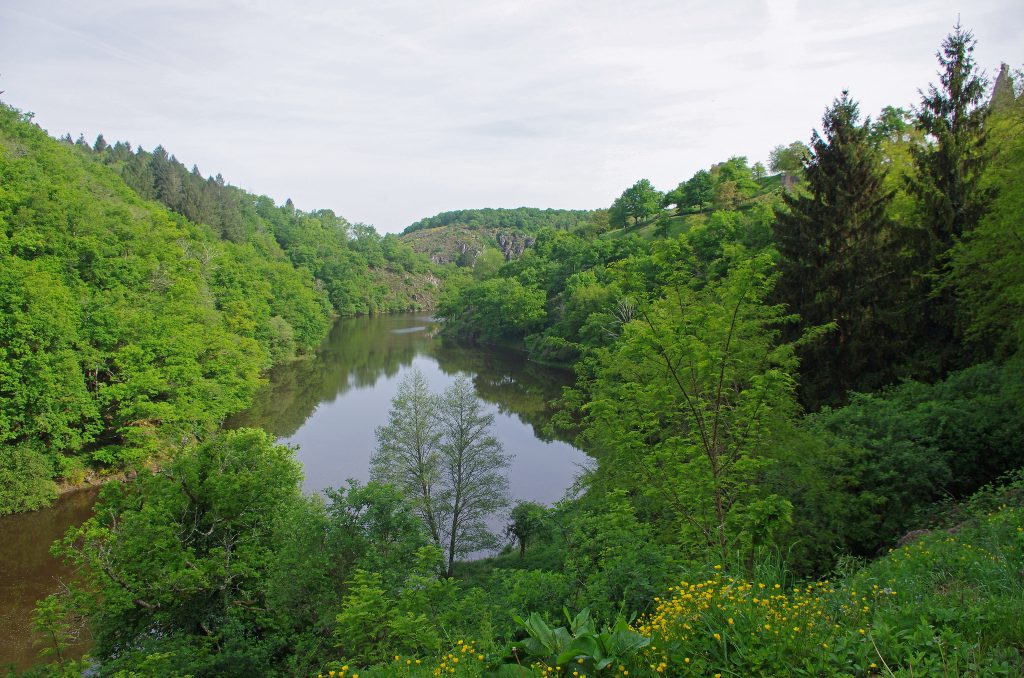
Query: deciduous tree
[
  {"x": 683, "y": 407},
  {"x": 639, "y": 201},
  {"x": 473, "y": 466},
  {"x": 408, "y": 450}
]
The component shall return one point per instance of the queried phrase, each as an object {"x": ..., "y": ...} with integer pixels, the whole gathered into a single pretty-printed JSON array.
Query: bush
[{"x": 26, "y": 479}]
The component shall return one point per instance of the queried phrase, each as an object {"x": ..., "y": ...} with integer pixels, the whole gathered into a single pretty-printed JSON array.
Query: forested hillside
[
  {"x": 492, "y": 235},
  {"x": 127, "y": 329},
  {"x": 528, "y": 219},
  {"x": 361, "y": 271},
  {"x": 803, "y": 386}
]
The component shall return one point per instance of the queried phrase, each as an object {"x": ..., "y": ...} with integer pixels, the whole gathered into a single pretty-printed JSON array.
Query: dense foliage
[
  {"x": 127, "y": 330},
  {"x": 354, "y": 264},
  {"x": 837, "y": 268},
  {"x": 759, "y": 424}
]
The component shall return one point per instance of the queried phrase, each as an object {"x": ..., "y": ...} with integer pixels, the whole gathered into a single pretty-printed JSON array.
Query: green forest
[
  {"x": 802, "y": 386},
  {"x": 141, "y": 303}
]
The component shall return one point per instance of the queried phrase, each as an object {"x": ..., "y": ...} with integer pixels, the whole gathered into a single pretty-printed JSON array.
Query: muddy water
[{"x": 28, "y": 571}]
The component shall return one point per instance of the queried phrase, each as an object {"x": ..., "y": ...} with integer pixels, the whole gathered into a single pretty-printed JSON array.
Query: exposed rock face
[
  {"x": 513, "y": 243},
  {"x": 460, "y": 252},
  {"x": 461, "y": 246}
]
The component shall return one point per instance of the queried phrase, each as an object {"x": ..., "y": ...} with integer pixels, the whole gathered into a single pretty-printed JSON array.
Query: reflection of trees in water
[
  {"x": 359, "y": 351},
  {"x": 25, "y": 538},
  {"x": 506, "y": 379}
]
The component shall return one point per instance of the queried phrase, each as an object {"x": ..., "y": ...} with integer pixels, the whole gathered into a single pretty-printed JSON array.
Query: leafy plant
[{"x": 581, "y": 642}]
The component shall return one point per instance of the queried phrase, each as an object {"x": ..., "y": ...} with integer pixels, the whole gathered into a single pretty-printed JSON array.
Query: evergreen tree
[
  {"x": 834, "y": 244},
  {"x": 949, "y": 192},
  {"x": 948, "y": 183}
]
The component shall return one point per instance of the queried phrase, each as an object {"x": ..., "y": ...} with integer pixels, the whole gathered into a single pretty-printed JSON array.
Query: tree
[
  {"x": 683, "y": 407},
  {"x": 835, "y": 261},
  {"x": 528, "y": 521},
  {"x": 699, "y": 190},
  {"x": 948, "y": 188},
  {"x": 892, "y": 125},
  {"x": 487, "y": 263},
  {"x": 180, "y": 556},
  {"x": 663, "y": 225},
  {"x": 408, "y": 453},
  {"x": 948, "y": 183},
  {"x": 473, "y": 467},
  {"x": 986, "y": 267},
  {"x": 638, "y": 201},
  {"x": 493, "y": 310},
  {"x": 438, "y": 450},
  {"x": 789, "y": 159}
]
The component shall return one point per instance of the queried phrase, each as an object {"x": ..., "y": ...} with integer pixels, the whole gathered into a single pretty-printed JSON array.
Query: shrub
[{"x": 26, "y": 479}]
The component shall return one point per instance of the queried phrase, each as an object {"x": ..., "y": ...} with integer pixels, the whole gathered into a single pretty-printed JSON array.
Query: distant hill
[
  {"x": 528, "y": 219},
  {"x": 457, "y": 244},
  {"x": 458, "y": 237}
]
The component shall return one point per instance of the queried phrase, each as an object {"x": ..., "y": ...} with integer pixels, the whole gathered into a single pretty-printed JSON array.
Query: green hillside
[
  {"x": 528, "y": 219},
  {"x": 352, "y": 262},
  {"x": 127, "y": 329}
]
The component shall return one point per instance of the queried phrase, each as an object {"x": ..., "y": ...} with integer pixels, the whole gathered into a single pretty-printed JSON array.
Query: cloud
[{"x": 387, "y": 111}]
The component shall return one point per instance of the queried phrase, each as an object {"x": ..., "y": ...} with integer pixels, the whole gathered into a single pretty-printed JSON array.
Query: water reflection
[{"x": 330, "y": 405}]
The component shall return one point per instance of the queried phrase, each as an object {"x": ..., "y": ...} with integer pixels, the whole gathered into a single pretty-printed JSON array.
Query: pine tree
[
  {"x": 834, "y": 243},
  {"x": 949, "y": 192},
  {"x": 948, "y": 182}
]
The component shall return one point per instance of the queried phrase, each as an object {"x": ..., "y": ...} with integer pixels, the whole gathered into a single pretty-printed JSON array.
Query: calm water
[
  {"x": 329, "y": 407},
  {"x": 28, "y": 571}
]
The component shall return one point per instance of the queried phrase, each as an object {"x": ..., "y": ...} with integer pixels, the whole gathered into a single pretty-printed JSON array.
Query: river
[{"x": 329, "y": 406}]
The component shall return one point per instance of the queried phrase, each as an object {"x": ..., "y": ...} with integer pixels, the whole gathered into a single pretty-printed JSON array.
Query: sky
[{"x": 389, "y": 111}]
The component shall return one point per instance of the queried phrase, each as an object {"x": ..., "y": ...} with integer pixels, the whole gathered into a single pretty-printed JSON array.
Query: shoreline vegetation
[
  {"x": 143, "y": 303},
  {"x": 782, "y": 373}
]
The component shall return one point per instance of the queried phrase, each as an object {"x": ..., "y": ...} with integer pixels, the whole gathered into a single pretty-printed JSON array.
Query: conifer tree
[
  {"x": 835, "y": 264},
  {"x": 948, "y": 181},
  {"x": 950, "y": 196}
]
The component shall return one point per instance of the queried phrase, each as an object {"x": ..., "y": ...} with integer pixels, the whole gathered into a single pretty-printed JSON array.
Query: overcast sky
[{"x": 390, "y": 111}]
